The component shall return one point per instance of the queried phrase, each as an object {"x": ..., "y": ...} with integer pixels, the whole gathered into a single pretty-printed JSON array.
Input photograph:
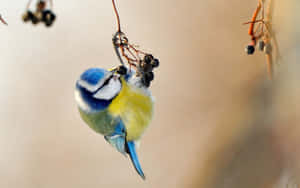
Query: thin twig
[
  {"x": 253, "y": 20},
  {"x": 270, "y": 65},
  {"x": 123, "y": 48},
  {"x": 271, "y": 31},
  {"x": 268, "y": 38},
  {"x": 117, "y": 15}
]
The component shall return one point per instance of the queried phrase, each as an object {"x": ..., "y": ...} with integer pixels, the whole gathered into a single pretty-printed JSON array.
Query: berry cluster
[
  {"x": 146, "y": 67},
  {"x": 40, "y": 15},
  {"x": 142, "y": 62},
  {"x": 263, "y": 46}
]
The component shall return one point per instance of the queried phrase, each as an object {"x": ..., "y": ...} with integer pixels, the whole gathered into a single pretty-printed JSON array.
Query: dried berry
[
  {"x": 146, "y": 67},
  {"x": 261, "y": 45},
  {"x": 155, "y": 63},
  {"x": 146, "y": 82},
  {"x": 35, "y": 20},
  {"x": 148, "y": 58},
  {"x": 149, "y": 76},
  {"x": 27, "y": 16},
  {"x": 268, "y": 48},
  {"x": 250, "y": 49},
  {"x": 48, "y": 17}
]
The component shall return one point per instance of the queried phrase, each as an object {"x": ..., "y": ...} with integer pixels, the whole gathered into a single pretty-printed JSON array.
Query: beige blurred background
[{"x": 214, "y": 123}]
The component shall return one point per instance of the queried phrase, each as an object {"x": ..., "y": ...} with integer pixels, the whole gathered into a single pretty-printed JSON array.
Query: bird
[{"x": 116, "y": 104}]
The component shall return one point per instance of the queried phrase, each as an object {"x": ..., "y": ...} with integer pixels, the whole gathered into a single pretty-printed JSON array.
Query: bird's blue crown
[
  {"x": 88, "y": 84},
  {"x": 93, "y": 75}
]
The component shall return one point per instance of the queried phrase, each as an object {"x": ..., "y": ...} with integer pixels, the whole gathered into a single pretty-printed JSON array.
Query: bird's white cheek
[{"x": 110, "y": 90}]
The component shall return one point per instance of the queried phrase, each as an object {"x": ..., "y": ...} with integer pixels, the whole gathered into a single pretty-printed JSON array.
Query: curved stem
[
  {"x": 253, "y": 20},
  {"x": 117, "y": 15},
  {"x": 116, "y": 46}
]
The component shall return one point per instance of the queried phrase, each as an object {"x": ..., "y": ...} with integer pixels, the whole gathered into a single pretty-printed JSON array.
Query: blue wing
[{"x": 118, "y": 140}]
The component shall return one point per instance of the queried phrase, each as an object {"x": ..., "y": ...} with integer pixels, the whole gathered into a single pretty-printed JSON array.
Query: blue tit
[{"x": 117, "y": 106}]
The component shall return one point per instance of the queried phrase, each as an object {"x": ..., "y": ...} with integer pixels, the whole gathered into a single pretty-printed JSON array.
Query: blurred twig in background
[
  {"x": 226, "y": 124},
  {"x": 2, "y": 20},
  {"x": 263, "y": 34},
  {"x": 263, "y": 151}
]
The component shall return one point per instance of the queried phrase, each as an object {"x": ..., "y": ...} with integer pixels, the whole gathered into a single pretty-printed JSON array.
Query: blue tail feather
[
  {"x": 134, "y": 158},
  {"x": 118, "y": 140}
]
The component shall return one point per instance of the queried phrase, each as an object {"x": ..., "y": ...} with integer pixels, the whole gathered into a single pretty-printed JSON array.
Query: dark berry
[
  {"x": 27, "y": 16},
  {"x": 146, "y": 82},
  {"x": 149, "y": 76},
  {"x": 155, "y": 63},
  {"x": 53, "y": 16},
  {"x": 46, "y": 14},
  {"x": 146, "y": 67},
  {"x": 148, "y": 58},
  {"x": 250, "y": 49},
  {"x": 122, "y": 70},
  {"x": 268, "y": 48},
  {"x": 34, "y": 19},
  {"x": 48, "y": 23},
  {"x": 48, "y": 17}
]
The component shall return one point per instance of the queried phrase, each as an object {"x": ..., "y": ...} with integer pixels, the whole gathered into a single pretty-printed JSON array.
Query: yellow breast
[{"x": 135, "y": 107}]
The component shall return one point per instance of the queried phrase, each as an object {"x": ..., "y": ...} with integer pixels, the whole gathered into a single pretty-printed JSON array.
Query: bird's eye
[{"x": 122, "y": 70}]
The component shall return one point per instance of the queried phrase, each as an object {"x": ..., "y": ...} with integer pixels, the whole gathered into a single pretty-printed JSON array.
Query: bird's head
[{"x": 96, "y": 88}]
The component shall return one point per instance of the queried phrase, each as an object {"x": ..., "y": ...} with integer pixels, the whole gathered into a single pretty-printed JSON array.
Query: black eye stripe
[
  {"x": 104, "y": 84},
  {"x": 106, "y": 81}
]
